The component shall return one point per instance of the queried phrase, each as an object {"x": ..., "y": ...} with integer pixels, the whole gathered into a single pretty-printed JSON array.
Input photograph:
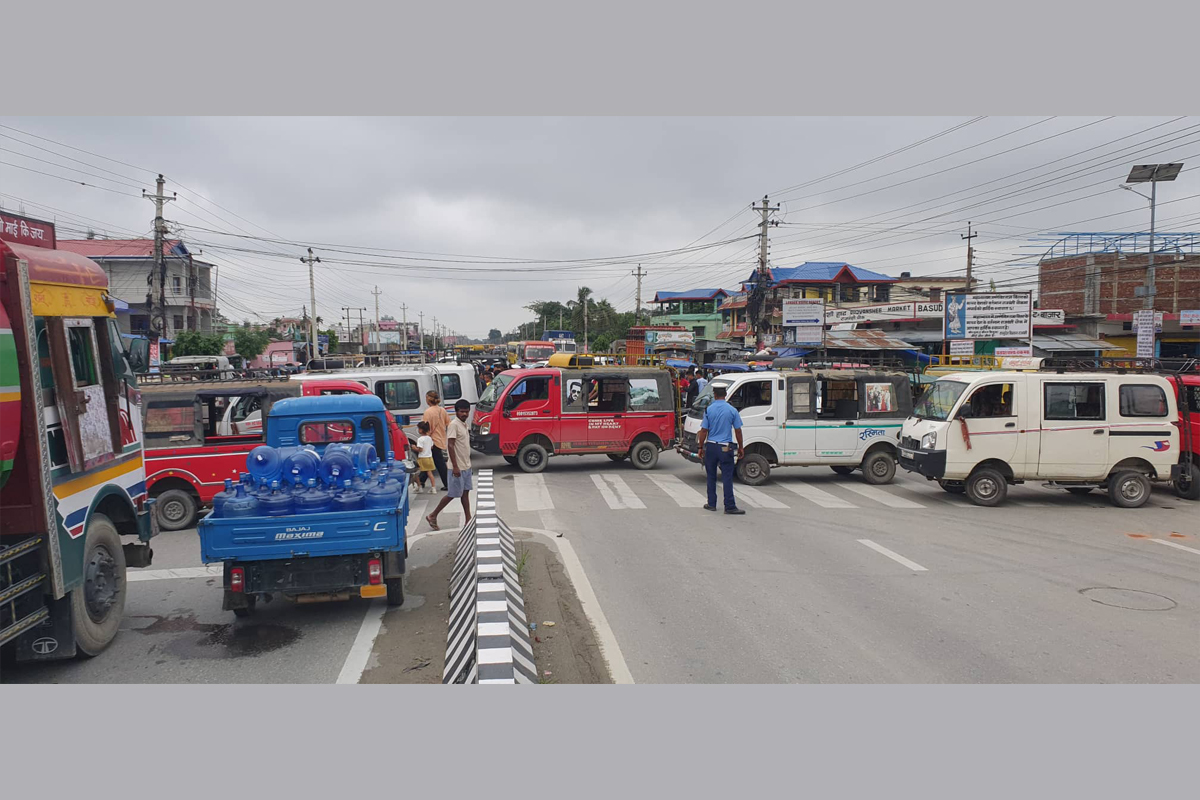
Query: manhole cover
[{"x": 1132, "y": 599}]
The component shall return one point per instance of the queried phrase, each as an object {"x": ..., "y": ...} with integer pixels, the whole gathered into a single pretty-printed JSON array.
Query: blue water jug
[
  {"x": 314, "y": 501},
  {"x": 364, "y": 455},
  {"x": 336, "y": 466},
  {"x": 301, "y": 465},
  {"x": 218, "y": 502},
  {"x": 264, "y": 463},
  {"x": 277, "y": 503},
  {"x": 241, "y": 504},
  {"x": 348, "y": 499},
  {"x": 382, "y": 495}
]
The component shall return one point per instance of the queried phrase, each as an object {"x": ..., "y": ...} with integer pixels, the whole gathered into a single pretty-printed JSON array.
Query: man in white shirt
[{"x": 458, "y": 483}]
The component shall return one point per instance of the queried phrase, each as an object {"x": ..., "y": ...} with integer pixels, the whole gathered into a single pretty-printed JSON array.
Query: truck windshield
[
  {"x": 938, "y": 400},
  {"x": 487, "y": 400},
  {"x": 705, "y": 398},
  {"x": 538, "y": 352}
]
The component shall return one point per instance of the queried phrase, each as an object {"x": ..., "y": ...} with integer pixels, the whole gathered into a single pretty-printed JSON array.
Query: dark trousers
[
  {"x": 715, "y": 456},
  {"x": 439, "y": 463}
]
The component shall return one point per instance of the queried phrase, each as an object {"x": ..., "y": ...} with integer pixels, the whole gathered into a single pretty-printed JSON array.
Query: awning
[
  {"x": 1068, "y": 342},
  {"x": 679, "y": 363}
]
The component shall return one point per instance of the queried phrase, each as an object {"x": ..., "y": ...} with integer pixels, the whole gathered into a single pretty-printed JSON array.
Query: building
[
  {"x": 190, "y": 300},
  {"x": 697, "y": 310}
]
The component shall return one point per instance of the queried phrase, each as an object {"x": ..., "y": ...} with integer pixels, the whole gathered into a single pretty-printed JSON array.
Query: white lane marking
[
  {"x": 590, "y": 605},
  {"x": 416, "y": 515},
  {"x": 818, "y": 496},
  {"x": 914, "y": 566},
  {"x": 757, "y": 498},
  {"x": 616, "y": 492},
  {"x": 532, "y": 494},
  {"x": 1177, "y": 546},
  {"x": 360, "y": 652},
  {"x": 211, "y": 571},
  {"x": 880, "y": 496},
  {"x": 683, "y": 495}
]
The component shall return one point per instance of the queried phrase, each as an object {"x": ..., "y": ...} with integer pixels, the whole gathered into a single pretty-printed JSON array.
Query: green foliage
[
  {"x": 605, "y": 324},
  {"x": 495, "y": 336},
  {"x": 333, "y": 339},
  {"x": 250, "y": 344},
  {"x": 195, "y": 343}
]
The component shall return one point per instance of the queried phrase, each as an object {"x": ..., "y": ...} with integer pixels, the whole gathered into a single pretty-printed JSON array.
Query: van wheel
[
  {"x": 753, "y": 470},
  {"x": 98, "y": 605},
  {"x": 1193, "y": 490},
  {"x": 953, "y": 487},
  {"x": 987, "y": 487},
  {"x": 644, "y": 455},
  {"x": 842, "y": 470},
  {"x": 532, "y": 458},
  {"x": 176, "y": 510},
  {"x": 1128, "y": 489},
  {"x": 879, "y": 467}
]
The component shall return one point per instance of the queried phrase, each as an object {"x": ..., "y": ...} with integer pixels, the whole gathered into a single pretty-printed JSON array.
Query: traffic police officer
[{"x": 721, "y": 424}]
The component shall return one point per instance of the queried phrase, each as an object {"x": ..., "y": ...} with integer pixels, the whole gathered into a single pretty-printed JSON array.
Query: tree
[
  {"x": 333, "y": 339},
  {"x": 250, "y": 344},
  {"x": 195, "y": 343},
  {"x": 495, "y": 336}
]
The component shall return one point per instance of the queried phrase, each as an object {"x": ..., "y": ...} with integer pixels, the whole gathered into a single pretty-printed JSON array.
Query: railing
[{"x": 966, "y": 362}]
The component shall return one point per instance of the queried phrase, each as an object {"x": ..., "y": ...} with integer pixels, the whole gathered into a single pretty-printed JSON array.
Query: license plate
[{"x": 906, "y": 453}]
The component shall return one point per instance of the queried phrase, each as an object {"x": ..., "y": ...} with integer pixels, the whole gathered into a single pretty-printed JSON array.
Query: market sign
[
  {"x": 988, "y": 315},
  {"x": 879, "y": 313},
  {"x": 1189, "y": 317},
  {"x": 803, "y": 312},
  {"x": 1049, "y": 316},
  {"x": 929, "y": 310}
]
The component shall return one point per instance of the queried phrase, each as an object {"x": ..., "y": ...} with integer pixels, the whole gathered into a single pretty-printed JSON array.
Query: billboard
[
  {"x": 1049, "y": 316},
  {"x": 988, "y": 316},
  {"x": 877, "y": 313},
  {"x": 803, "y": 312},
  {"x": 671, "y": 338}
]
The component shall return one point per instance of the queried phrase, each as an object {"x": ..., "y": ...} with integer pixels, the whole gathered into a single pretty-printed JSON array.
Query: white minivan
[
  {"x": 846, "y": 419},
  {"x": 978, "y": 432}
]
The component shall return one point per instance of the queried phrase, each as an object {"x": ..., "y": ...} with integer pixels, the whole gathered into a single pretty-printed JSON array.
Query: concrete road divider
[{"x": 488, "y": 640}]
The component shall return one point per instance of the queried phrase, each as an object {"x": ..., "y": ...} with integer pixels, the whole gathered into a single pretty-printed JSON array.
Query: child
[{"x": 425, "y": 455}]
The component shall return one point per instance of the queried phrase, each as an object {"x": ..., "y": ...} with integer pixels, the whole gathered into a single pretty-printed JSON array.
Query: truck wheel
[
  {"x": 532, "y": 458},
  {"x": 511, "y": 460},
  {"x": 176, "y": 510},
  {"x": 879, "y": 467},
  {"x": 395, "y": 591},
  {"x": 1128, "y": 489},
  {"x": 987, "y": 487},
  {"x": 753, "y": 470},
  {"x": 98, "y": 605},
  {"x": 1193, "y": 491},
  {"x": 842, "y": 470},
  {"x": 644, "y": 455},
  {"x": 248, "y": 609}
]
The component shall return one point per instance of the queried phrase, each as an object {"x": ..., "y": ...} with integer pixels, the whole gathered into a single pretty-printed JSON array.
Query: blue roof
[
  {"x": 327, "y": 404},
  {"x": 824, "y": 272},
  {"x": 690, "y": 294}
]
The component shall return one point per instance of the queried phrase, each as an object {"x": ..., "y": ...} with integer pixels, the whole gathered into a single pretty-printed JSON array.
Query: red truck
[{"x": 194, "y": 442}]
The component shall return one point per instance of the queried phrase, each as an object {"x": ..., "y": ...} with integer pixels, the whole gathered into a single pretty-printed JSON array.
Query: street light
[{"x": 1152, "y": 174}]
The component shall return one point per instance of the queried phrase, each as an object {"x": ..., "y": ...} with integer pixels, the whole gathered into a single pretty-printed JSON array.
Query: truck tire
[
  {"x": 753, "y": 470},
  {"x": 1128, "y": 489},
  {"x": 879, "y": 467},
  {"x": 842, "y": 470},
  {"x": 176, "y": 510},
  {"x": 532, "y": 458},
  {"x": 98, "y": 605},
  {"x": 987, "y": 487},
  {"x": 395, "y": 591},
  {"x": 644, "y": 455},
  {"x": 1193, "y": 491}
]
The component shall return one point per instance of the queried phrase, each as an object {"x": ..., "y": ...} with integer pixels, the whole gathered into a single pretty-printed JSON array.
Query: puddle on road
[{"x": 196, "y": 639}]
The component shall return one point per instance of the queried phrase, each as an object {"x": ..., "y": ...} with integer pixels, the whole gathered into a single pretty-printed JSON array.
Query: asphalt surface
[{"x": 825, "y": 579}]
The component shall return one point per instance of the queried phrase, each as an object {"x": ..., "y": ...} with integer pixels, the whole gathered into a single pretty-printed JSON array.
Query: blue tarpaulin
[
  {"x": 679, "y": 363},
  {"x": 728, "y": 367}
]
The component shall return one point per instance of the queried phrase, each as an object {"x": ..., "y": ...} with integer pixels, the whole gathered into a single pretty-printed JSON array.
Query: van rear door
[
  {"x": 1074, "y": 429},
  {"x": 800, "y": 433}
]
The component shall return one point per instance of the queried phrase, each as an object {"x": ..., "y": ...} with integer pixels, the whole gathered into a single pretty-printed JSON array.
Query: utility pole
[
  {"x": 159, "y": 274},
  {"x": 763, "y": 272},
  {"x": 637, "y": 314},
  {"x": 585, "y": 325},
  {"x": 970, "y": 253},
  {"x": 376, "y": 292},
  {"x": 421, "y": 334},
  {"x": 435, "y": 331},
  {"x": 312, "y": 296},
  {"x": 404, "y": 325}
]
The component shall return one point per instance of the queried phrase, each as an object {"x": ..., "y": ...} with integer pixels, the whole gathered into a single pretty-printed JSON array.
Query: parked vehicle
[
  {"x": 979, "y": 432},
  {"x": 209, "y": 366},
  {"x": 316, "y": 556},
  {"x": 1187, "y": 388},
  {"x": 197, "y": 435},
  {"x": 623, "y": 412},
  {"x": 563, "y": 341},
  {"x": 846, "y": 419},
  {"x": 73, "y": 509},
  {"x": 529, "y": 352}
]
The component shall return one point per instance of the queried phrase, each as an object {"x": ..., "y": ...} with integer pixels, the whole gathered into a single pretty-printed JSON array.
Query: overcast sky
[{"x": 561, "y": 191}]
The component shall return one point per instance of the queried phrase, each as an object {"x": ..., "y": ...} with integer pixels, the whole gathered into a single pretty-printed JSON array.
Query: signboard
[
  {"x": 663, "y": 338},
  {"x": 1012, "y": 352},
  {"x": 1158, "y": 321},
  {"x": 988, "y": 316},
  {"x": 1143, "y": 323},
  {"x": 808, "y": 334},
  {"x": 929, "y": 310},
  {"x": 24, "y": 230},
  {"x": 1021, "y": 363},
  {"x": 155, "y": 361},
  {"x": 740, "y": 327},
  {"x": 879, "y": 313},
  {"x": 962, "y": 347},
  {"x": 803, "y": 312},
  {"x": 1189, "y": 317},
  {"x": 1049, "y": 316},
  {"x": 280, "y": 357}
]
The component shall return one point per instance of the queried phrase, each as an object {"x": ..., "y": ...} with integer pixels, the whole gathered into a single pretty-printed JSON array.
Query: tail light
[
  {"x": 374, "y": 572},
  {"x": 237, "y": 579}
]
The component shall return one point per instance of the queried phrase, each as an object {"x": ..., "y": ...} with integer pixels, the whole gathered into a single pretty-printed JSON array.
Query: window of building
[
  {"x": 399, "y": 395},
  {"x": 1142, "y": 400},
  {"x": 83, "y": 356},
  {"x": 698, "y": 331},
  {"x": 849, "y": 294},
  {"x": 883, "y": 292},
  {"x": 451, "y": 388},
  {"x": 177, "y": 284},
  {"x": 177, "y": 321},
  {"x": 935, "y": 294},
  {"x": 1074, "y": 401}
]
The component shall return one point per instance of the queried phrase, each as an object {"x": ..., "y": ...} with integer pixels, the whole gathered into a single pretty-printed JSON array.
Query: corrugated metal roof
[
  {"x": 1068, "y": 341},
  {"x": 825, "y": 272},
  {"x": 690, "y": 294},
  {"x": 864, "y": 340}
]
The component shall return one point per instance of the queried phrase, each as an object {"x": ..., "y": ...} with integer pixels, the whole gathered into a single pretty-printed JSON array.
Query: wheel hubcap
[
  {"x": 1131, "y": 489},
  {"x": 985, "y": 487},
  {"x": 644, "y": 456},
  {"x": 100, "y": 583},
  {"x": 880, "y": 468},
  {"x": 173, "y": 511}
]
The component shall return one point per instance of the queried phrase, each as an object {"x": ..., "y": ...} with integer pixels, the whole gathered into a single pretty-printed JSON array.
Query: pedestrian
[
  {"x": 693, "y": 389},
  {"x": 700, "y": 382},
  {"x": 438, "y": 419},
  {"x": 459, "y": 439},
  {"x": 720, "y": 425},
  {"x": 425, "y": 456}
]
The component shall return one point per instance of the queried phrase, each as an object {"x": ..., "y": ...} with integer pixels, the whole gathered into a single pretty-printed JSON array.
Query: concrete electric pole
[
  {"x": 379, "y": 342},
  {"x": 970, "y": 253},
  {"x": 764, "y": 274},
  {"x": 312, "y": 296},
  {"x": 404, "y": 325},
  {"x": 158, "y": 275},
  {"x": 421, "y": 334},
  {"x": 637, "y": 314}
]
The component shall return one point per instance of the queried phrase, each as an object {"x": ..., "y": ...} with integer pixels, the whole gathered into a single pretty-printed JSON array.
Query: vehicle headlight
[
  {"x": 929, "y": 441},
  {"x": 485, "y": 428}
]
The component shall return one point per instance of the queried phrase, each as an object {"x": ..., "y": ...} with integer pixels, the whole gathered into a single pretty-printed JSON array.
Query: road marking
[
  {"x": 683, "y": 495},
  {"x": 757, "y": 498},
  {"x": 914, "y": 566},
  {"x": 880, "y": 496},
  {"x": 1177, "y": 546},
  {"x": 416, "y": 515},
  {"x": 532, "y": 494},
  {"x": 618, "y": 495},
  {"x": 818, "y": 496},
  {"x": 211, "y": 571},
  {"x": 364, "y": 643}
]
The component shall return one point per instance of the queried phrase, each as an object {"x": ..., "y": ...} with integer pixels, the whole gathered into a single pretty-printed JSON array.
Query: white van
[
  {"x": 977, "y": 432},
  {"x": 846, "y": 419}
]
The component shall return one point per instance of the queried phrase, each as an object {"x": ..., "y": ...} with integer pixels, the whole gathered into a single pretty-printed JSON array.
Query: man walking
[
  {"x": 721, "y": 424},
  {"x": 437, "y": 419},
  {"x": 459, "y": 439}
]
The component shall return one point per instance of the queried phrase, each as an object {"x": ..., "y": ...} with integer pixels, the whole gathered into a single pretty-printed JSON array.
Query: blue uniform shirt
[{"x": 720, "y": 419}]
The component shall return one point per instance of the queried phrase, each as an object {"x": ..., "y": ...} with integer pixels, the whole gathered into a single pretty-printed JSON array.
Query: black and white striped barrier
[{"x": 489, "y": 635}]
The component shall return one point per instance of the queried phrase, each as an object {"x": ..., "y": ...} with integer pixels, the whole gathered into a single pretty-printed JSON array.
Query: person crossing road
[{"x": 721, "y": 424}]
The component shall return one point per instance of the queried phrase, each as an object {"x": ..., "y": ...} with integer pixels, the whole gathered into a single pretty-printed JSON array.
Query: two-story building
[{"x": 697, "y": 310}]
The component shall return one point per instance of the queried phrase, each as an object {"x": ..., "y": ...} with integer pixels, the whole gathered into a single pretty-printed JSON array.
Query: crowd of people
[{"x": 692, "y": 382}]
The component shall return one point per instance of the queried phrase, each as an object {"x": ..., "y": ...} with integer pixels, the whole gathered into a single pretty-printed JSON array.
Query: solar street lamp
[{"x": 1152, "y": 174}]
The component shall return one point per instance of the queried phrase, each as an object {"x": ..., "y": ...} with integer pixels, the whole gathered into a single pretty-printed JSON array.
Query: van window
[
  {"x": 881, "y": 398},
  {"x": 575, "y": 393},
  {"x": 244, "y": 407},
  {"x": 1191, "y": 396},
  {"x": 608, "y": 395},
  {"x": 451, "y": 388},
  {"x": 751, "y": 394},
  {"x": 1074, "y": 401},
  {"x": 83, "y": 362},
  {"x": 644, "y": 395},
  {"x": 399, "y": 395},
  {"x": 531, "y": 389},
  {"x": 799, "y": 398},
  {"x": 993, "y": 400},
  {"x": 317, "y": 433},
  {"x": 1143, "y": 400},
  {"x": 169, "y": 418},
  {"x": 938, "y": 399},
  {"x": 838, "y": 400}
]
